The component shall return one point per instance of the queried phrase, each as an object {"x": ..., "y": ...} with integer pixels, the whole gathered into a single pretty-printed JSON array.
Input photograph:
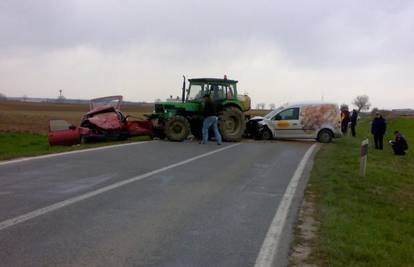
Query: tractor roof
[{"x": 212, "y": 80}]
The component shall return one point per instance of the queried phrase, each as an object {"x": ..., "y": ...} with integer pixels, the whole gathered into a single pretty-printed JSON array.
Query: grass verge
[
  {"x": 364, "y": 221},
  {"x": 16, "y": 145}
]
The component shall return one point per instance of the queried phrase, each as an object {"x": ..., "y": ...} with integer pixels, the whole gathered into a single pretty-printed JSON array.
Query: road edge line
[
  {"x": 271, "y": 243},
  {"x": 6, "y": 162},
  {"x": 38, "y": 212}
]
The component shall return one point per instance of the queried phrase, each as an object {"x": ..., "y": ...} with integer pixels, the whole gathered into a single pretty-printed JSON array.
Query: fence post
[{"x": 363, "y": 159}]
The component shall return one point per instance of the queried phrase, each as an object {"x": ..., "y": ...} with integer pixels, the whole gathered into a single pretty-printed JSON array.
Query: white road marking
[
  {"x": 33, "y": 214},
  {"x": 69, "y": 152},
  {"x": 269, "y": 249}
]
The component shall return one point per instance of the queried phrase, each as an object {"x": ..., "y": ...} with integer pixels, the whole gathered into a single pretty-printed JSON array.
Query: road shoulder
[{"x": 276, "y": 246}]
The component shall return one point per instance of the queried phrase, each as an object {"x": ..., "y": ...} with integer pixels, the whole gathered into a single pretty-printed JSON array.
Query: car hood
[{"x": 257, "y": 118}]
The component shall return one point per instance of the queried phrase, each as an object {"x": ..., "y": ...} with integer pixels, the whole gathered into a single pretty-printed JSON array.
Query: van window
[{"x": 287, "y": 114}]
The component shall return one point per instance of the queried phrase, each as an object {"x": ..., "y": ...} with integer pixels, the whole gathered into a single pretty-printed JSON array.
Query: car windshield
[
  {"x": 273, "y": 112},
  {"x": 112, "y": 101}
]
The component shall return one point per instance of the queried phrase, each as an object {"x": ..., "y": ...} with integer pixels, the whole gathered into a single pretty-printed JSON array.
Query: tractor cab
[{"x": 218, "y": 89}]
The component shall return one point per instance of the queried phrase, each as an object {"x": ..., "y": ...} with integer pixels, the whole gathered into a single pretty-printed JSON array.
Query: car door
[
  {"x": 286, "y": 123},
  {"x": 63, "y": 133}
]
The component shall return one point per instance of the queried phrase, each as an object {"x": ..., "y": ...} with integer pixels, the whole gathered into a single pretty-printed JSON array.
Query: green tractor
[{"x": 176, "y": 120}]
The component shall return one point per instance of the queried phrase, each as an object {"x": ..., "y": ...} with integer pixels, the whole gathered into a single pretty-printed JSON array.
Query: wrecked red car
[{"x": 103, "y": 122}]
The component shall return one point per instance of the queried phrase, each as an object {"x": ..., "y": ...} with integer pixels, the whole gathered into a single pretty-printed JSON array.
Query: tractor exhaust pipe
[{"x": 183, "y": 94}]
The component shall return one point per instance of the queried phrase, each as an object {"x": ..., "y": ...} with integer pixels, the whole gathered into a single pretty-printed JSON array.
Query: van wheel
[
  {"x": 266, "y": 134},
  {"x": 325, "y": 136}
]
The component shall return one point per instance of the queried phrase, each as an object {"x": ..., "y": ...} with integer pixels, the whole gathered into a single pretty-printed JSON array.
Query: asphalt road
[{"x": 208, "y": 210}]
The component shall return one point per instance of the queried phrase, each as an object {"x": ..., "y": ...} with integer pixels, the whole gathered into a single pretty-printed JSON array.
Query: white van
[{"x": 318, "y": 120}]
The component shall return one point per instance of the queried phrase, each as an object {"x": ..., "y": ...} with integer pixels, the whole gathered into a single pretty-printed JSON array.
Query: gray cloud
[
  {"x": 307, "y": 31},
  {"x": 313, "y": 44}
]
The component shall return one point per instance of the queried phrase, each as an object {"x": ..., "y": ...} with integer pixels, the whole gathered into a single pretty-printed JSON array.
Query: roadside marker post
[{"x": 363, "y": 159}]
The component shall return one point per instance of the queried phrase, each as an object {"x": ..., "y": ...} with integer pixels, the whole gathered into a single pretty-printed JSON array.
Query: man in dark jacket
[
  {"x": 399, "y": 145},
  {"x": 378, "y": 128},
  {"x": 210, "y": 119},
  {"x": 354, "y": 118}
]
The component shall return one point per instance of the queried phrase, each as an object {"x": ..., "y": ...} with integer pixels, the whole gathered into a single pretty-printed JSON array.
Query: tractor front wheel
[
  {"x": 232, "y": 124},
  {"x": 177, "y": 128}
]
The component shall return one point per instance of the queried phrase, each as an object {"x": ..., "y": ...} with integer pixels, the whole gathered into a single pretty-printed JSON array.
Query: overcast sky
[{"x": 280, "y": 51}]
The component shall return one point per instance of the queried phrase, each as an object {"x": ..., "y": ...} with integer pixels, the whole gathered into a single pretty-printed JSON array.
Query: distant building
[
  {"x": 3, "y": 97},
  {"x": 403, "y": 112},
  {"x": 172, "y": 99}
]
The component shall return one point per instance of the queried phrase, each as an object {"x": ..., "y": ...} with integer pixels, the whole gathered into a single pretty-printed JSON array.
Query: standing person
[
  {"x": 399, "y": 145},
  {"x": 210, "y": 119},
  {"x": 378, "y": 128},
  {"x": 354, "y": 119},
  {"x": 344, "y": 121}
]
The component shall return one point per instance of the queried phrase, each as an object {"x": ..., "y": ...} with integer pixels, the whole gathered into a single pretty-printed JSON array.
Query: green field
[
  {"x": 24, "y": 126},
  {"x": 16, "y": 145},
  {"x": 364, "y": 221}
]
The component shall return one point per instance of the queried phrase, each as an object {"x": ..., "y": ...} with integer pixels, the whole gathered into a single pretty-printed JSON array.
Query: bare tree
[
  {"x": 362, "y": 102},
  {"x": 272, "y": 105}
]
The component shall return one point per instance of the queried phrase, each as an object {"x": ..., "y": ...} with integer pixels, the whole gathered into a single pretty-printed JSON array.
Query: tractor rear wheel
[
  {"x": 177, "y": 128},
  {"x": 232, "y": 124}
]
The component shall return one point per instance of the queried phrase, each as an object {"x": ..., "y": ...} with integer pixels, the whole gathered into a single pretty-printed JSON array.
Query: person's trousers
[
  {"x": 207, "y": 123},
  {"x": 353, "y": 129},
  {"x": 379, "y": 141},
  {"x": 344, "y": 127},
  {"x": 398, "y": 150}
]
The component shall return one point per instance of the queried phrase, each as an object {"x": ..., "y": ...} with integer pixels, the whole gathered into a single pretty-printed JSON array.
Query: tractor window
[
  {"x": 196, "y": 92},
  {"x": 229, "y": 91},
  {"x": 287, "y": 114},
  {"x": 217, "y": 91}
]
